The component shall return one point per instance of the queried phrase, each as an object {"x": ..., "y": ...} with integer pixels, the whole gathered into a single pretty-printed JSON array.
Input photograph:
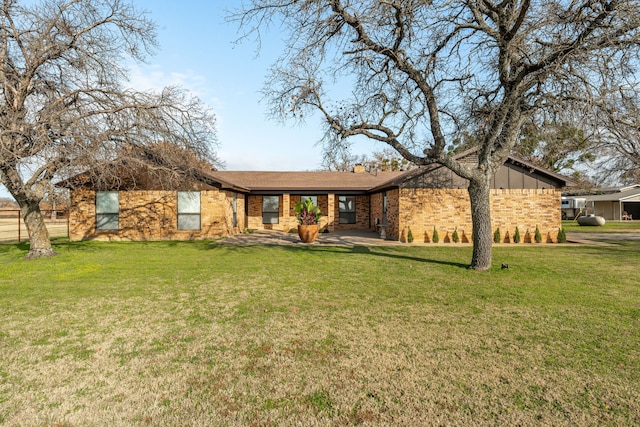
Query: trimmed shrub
[
  {"x": 516, "y": 236},
  {"x": 455, "y": 236},
  {"x": 435, "y": 236},
  {"x": 562, "y": 236},
  {"x": 409, "y": 236},
  {"x": 496, "y": 236},
  {"x": 538, "y": 235}
]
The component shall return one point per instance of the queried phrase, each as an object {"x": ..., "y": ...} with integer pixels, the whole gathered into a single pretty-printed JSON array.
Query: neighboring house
[
  {"x": 621, "y": 204},
  {"x": 220, "y": 203}
]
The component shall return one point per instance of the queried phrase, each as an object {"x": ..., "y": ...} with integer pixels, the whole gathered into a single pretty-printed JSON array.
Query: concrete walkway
[
  {"x": 370, "y": 238},
  {"x": 334, "y": 238}
]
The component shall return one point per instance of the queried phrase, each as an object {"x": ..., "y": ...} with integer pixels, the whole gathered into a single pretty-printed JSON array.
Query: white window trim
[
  {"x": 107, "y": 214},
  {"x": 189, "y": 214}
]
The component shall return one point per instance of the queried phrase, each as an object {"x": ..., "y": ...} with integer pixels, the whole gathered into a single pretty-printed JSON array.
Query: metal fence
[{"x": 13, "y": 229}]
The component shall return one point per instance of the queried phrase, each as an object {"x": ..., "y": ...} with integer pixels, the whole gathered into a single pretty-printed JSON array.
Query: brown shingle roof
[{"x": 304, "y": 181}]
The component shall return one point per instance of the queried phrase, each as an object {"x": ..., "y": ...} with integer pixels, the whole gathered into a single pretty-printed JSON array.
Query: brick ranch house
[{"x": 222, "y": 203}]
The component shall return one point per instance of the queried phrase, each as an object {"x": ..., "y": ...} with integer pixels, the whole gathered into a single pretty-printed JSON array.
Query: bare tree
[
  {"x": 64, "y": 103},
  {"x": 422, "y": 71},
  {"x": 618, "y": 123},
  {"x": 385, "y": 160}
]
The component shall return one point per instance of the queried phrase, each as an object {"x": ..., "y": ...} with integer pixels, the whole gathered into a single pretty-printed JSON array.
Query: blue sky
[{"x": 197, "y": 52}]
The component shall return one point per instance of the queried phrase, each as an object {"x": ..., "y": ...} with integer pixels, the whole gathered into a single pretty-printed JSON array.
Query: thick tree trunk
[
  {"x": 39, "y": 242},
  {"x": 29, "y": 202},
  {"x": 479, "y": 192}
]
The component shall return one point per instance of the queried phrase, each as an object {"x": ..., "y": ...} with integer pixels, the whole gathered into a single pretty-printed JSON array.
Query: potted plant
[{"x": 308, "y": 217}]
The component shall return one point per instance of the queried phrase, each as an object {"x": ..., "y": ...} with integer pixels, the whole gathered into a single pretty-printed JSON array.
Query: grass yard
[
  {"x": 193, "y": 334},
  {"x": 608, "y": 227}
]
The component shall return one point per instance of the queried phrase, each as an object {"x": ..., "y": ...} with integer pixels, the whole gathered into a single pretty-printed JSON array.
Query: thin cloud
[{"x": 153, "y": 78}]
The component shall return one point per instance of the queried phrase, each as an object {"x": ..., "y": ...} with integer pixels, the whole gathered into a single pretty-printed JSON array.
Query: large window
[
  {"x": 107, "y": 210},
  {"x": 188, "y": 210},
  {"x": 270, "y": 209},
  {"x": 347, "y": 208}
]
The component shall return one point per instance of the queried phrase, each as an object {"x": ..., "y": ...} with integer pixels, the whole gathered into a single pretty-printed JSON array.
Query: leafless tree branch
[
  {"x": 64, "y": 105},
  {"x": 418, "y": 74}
]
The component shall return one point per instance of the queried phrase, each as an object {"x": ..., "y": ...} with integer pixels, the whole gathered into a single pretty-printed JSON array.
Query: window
[
  {"x": 107, "y": 210},
  {"x": 188, "y": 210},
  {"x": 347, "y": 208},
  {"x": 384, "y": 208},
  {"x": 270, "y": 209}
]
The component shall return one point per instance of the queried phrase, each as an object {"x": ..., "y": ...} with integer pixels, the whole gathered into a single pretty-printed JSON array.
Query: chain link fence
[{"x": 12, "y": 228}]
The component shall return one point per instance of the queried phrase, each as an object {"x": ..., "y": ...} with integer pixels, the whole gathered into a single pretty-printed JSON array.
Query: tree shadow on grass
[
  {"x": 5, "y": 248},
  {"x": 367, "y": 250},
  {"x": 345, "y": 250},
  {"x": 57, "y": 244}
]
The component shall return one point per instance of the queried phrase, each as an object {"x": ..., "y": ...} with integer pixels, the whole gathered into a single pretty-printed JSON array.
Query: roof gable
[{"x": 438, "y": 176}]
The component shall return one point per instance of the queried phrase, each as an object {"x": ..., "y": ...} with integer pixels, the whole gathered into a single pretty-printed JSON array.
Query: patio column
[
  {"x": 286, "y": 207},
  {"x": 331, "y": 202},
  {"x": 619, "y": 211}
]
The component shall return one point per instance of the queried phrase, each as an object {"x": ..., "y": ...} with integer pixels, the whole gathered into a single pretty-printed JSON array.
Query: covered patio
[
  {"x": 619, "y": 206},
  {"x": 353, "y": 237}
]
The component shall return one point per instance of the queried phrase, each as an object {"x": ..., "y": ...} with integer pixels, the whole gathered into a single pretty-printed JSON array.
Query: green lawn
[
  {"x": 194, "y": 334},
  {"x": 608, "y": 227}
]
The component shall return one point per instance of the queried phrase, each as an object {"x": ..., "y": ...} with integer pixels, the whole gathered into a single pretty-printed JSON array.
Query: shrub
[
  {"x": 516, "y": 236},
  {"x": 409, "y": 236},
  {"x": 562, "y": 236},
  {"x": 306, "y": 212},
  {"x": 455, "y": 236},
  {"x": 435, "y": 237},
  {"x": 496, "y": 236},
  {"x": 538, "y": 235}
]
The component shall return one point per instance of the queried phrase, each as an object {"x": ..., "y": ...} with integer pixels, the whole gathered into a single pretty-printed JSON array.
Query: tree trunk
[
  {"x": 29, "y": 202},
  {"x": 479, "y": 192},
  {"x": 39, "y": 242}
]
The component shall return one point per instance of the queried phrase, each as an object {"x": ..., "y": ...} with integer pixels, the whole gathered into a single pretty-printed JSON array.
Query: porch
[{"x": 352, "y": 237}]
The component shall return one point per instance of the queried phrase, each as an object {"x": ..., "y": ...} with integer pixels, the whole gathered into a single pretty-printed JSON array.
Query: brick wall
[
  {"x": 375, "y": 200},
  {"x": 448, "y": 209},
  {"x": 152, "y": 215},
  {"x": 362, "y": 214},
  {"x": 392, "y": 211},
  {"x": 286, "y": 217},
  {"x": 254, "y": 212}
]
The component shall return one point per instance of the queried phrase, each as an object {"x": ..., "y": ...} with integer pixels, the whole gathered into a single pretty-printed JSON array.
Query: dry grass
[
  {"x": 168, "y": 334},
  {"x": 9, "y": 229}
]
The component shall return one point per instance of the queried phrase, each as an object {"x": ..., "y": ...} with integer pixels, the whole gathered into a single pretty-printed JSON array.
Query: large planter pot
[{"x": 308, "y": 233}]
